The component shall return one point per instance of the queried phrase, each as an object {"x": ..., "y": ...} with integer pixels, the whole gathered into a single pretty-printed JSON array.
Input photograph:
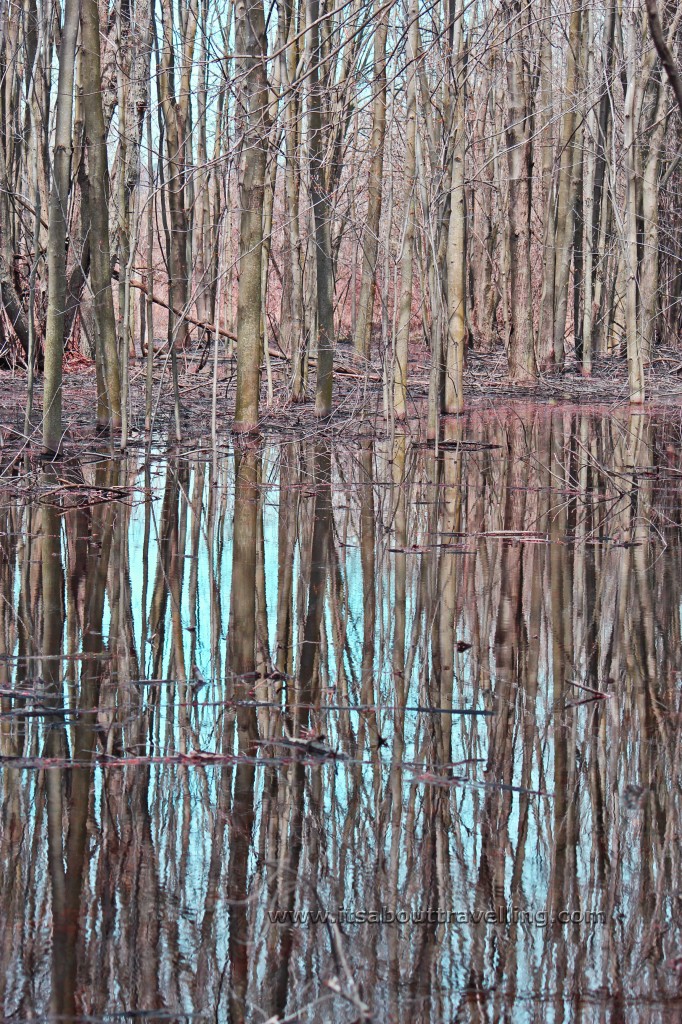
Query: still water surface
[{"x": 445, "y": 788}]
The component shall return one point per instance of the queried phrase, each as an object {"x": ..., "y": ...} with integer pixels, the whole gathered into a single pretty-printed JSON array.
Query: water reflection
[{"x": 434, "y": 693}]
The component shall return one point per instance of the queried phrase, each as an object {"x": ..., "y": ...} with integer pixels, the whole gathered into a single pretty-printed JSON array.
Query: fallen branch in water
[
  {"x": 596, "y": 695},
  {"x": 430, "y": 779}
]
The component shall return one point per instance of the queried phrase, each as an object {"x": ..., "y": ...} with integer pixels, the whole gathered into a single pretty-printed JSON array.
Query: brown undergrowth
[{"x": 360, "y": 397}]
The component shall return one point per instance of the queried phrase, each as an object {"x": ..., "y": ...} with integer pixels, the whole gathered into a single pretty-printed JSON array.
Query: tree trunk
[
  {"x": 322, "y": 212},
  {"x": 456, "y": 262},
  {"x": 370, "y": 243},
  {"x": 545, "y": 341},
  {"x": 402, "y": 336},
  {"x": 109, "y": 403},
  {"x": 175, "y": 114},
  {"x": 590, "y": 148},
  {"x": 649, "y": 283},
  {"x": 56, "y": 252},
  {"x": 567, "y": 186},
  {"x": 251, "y": 44},
  {"x": 632, "y": 332},
  {"x": 521, "y": 355}
]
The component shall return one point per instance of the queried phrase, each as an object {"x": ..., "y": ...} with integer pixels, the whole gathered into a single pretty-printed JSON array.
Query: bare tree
[
  {"x": 251, "y": 44},
  {"x": 56, "y": 245}
]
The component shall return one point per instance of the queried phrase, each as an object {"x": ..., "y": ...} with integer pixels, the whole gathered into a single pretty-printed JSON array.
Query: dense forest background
[{"x": 275, "y": 180}]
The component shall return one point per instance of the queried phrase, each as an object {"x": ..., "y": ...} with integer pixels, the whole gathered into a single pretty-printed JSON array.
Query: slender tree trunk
[
  {"x": 545, "y": 342},
  {"x": 293, "y": 321},
  {"x": 577, "y": 244},
  {"x": 149, "y": 308},
  {"x": 402, "y": 336},
  {"x": 318, "y": 148},
  {"x": 109, "y": 404},
  {"x": 484, "y": 234},
  {"x": 56, "y": 244},
  {"x": 251, "y": 43},
  {"x": 370, "y": 243},
  {"x": 521, "y": 355},
  {"x": 205, "y": 288},
  {"x": 649, "y": 272},
  {"x": 567, "y": 184},
  {"x": 650, "y": 284},
  {"x": 456, "y": 262},
  {"x": 455, "y": 334},
  {"x": 175, "y": 114},
  {"x": 633, "y": 335},
  {"x": 590, "y": 149},
  {"x": 602, "y": 199}
]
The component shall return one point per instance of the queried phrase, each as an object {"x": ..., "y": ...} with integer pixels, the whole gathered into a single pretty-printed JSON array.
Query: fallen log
[
  {"x": 141, "y": 286},
  {"x": 212, "y": 328}
]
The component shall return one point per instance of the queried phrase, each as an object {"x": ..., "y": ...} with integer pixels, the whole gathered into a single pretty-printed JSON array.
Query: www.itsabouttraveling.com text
[{"x": 502, "y": 915}]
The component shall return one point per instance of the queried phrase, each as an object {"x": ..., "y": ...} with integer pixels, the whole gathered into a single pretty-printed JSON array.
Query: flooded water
[{"x": 446, "y": 787}]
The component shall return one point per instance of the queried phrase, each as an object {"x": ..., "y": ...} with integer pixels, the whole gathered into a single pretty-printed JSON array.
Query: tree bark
[
  {"x": 175, "y": 114},
  {"x": 567, "y": 186},
  {"x": 402, "y": 336},
  {"x": 109, "y": 402},
  {"x": 590, "y": 148},
  {"x": 370, "y": 243},
  {"x": 251, "y": 43},
  {"x": 322, "y": 215},
  {"x": 545, "y": 341},
  {"x": 632, "y": 332},
  {"x": 456, "y": 263},
  {"x": 56, "y": 242},
  {"x": 521, "y": 355}
]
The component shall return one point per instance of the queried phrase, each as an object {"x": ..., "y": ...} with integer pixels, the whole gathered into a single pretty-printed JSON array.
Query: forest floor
[{"x": 358, "y": 395}]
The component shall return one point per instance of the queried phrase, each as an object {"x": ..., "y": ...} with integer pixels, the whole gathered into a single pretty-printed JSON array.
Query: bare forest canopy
[{"x": 273, "y": 182}]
